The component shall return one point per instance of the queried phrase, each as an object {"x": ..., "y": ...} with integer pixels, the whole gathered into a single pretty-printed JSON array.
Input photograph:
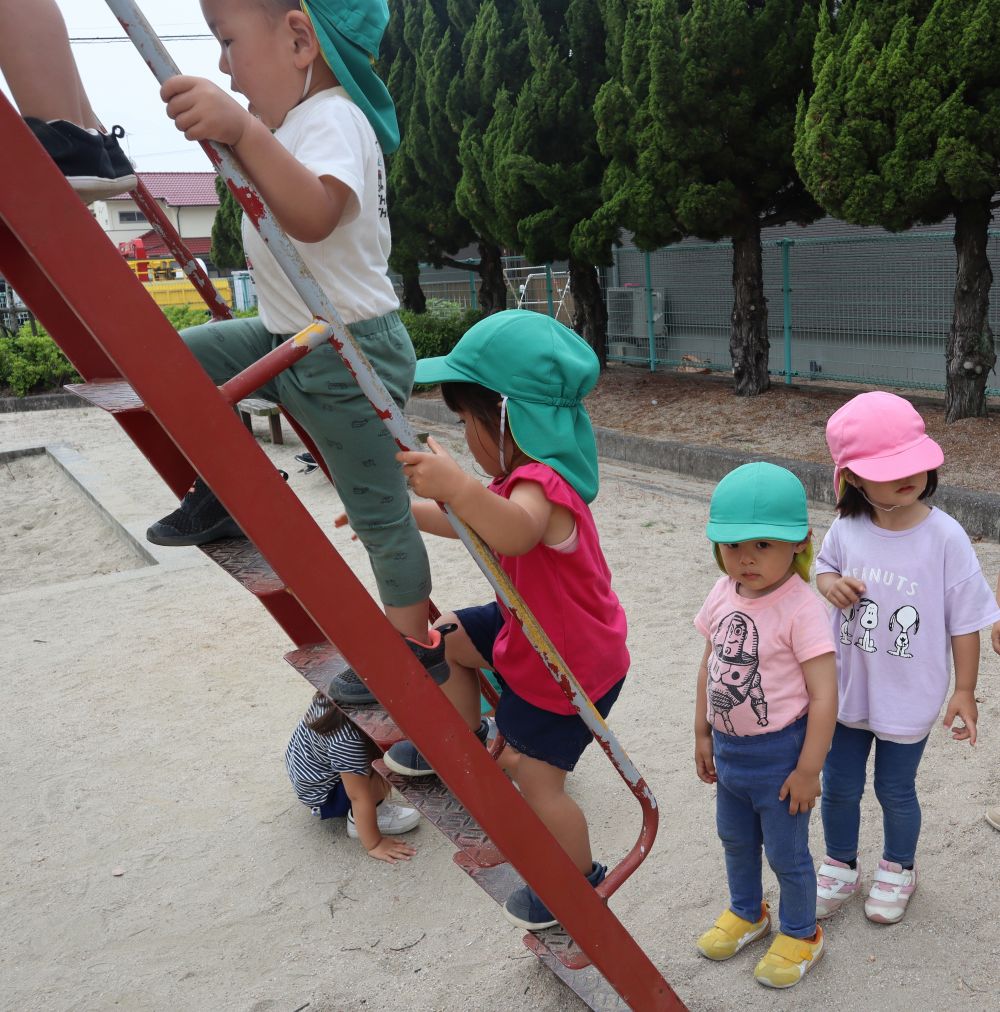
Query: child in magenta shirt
[
  {"x": 516, "y": 380},
  {"x": 765, "y": 711},
  {"x": 909, "y": 596}
]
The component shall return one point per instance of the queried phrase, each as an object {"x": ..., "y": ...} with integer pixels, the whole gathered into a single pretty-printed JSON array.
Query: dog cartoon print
[
  {"x": 846, "y": 618},
  {"x": 868, "y": 619},
  {"x": 905, "y": 619},
  {"x": 733, "y": 672}
]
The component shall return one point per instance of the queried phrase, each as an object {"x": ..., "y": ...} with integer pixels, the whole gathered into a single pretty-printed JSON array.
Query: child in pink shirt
[
  {"x": 516, "y": 380},
  {"x": 765, "y": 711}
]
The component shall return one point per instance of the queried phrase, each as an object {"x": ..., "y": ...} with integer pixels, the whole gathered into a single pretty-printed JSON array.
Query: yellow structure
[{"x": 183, "y": 293}]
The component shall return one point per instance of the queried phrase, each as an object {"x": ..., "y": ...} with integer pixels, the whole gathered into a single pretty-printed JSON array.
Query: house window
[{"x": 130, "y": 217}]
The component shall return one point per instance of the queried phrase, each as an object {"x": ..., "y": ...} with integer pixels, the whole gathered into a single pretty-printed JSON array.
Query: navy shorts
[
  {"x": 555, "y": 738},
  {"x": 337, "y": 803}
]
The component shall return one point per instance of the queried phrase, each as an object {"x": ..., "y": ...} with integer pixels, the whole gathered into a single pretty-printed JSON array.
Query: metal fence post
[
  {"x": 786, "y": 292},
  {"x": 548, "y": 290},
  {"x": 473, "y": 298},
  {"x": 650, "y": 329}
]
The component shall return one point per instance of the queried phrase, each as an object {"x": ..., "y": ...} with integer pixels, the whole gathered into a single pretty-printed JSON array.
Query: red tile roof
[
  {"x": 156, "y": 249},
  {"x": 180, "y": 189}
]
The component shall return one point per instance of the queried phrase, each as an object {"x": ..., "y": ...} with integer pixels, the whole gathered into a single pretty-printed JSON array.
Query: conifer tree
[
  {"x": 702, "y": 143},
  {"x": 534, "y": 176},
  {"x": 227, "y": 235},
  {"x": 904, "y": 128}
]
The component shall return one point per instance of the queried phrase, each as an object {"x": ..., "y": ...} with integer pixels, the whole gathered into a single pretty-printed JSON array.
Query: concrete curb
[
  {"x": 977, "y": 512},
  {"x": 41, "y": 402}
]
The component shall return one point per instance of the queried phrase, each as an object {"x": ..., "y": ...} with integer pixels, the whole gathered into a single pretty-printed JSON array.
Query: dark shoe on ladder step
[
  {"x": 199, "y": 519},
  {"x": 93, "y": 163},
  {"x": 307, "y": 460},
  {"x": 347, "y": 687},
  {"x": 404, "y": 759},
  {"x": 525, "y": 909}
]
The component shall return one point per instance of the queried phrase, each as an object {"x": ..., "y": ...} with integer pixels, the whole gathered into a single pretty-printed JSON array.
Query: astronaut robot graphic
[{"x": 733, "y": 674}]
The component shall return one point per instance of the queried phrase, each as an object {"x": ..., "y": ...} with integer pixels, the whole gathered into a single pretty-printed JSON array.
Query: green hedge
[
  {"x": 31, "y": 363},
  {"x": 437, "y": 331}
]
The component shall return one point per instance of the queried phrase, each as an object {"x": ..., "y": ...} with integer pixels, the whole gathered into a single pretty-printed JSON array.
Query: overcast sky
[{"x": 123, "y": 90}]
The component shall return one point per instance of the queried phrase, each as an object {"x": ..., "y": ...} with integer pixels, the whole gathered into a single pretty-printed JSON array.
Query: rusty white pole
[{"x": 159, "y": 61}]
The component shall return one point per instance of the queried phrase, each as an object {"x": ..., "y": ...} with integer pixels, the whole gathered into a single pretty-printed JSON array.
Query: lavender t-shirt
[{"x": 922, "y": 586}]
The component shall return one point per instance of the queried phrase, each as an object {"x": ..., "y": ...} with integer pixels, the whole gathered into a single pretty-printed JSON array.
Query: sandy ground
[{"x": 144, "y": 715}]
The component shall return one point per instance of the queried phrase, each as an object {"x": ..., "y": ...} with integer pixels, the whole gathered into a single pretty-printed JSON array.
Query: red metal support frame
[
  {"x": 146, "y": 203},
  {"x": 50, "y": 231}
]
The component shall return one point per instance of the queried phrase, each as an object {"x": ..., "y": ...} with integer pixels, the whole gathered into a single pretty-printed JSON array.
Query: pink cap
[{"x": 881, "y": 437}]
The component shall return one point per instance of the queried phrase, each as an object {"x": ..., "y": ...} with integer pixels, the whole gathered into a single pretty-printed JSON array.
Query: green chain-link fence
[{"x": 867, "y": 309}]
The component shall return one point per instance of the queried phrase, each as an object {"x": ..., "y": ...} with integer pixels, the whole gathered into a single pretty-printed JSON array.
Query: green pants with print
[{"x": 325, "y": 400}]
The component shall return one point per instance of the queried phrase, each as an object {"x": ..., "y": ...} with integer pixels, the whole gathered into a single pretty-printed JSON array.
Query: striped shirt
[{"x": 315, "y": 761}]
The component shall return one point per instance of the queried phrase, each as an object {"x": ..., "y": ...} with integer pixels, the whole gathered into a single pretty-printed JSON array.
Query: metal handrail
[{"x": 156, "y": 57}]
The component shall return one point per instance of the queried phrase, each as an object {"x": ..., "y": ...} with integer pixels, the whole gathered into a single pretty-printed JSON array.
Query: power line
[{"x": 85, "y": 39}]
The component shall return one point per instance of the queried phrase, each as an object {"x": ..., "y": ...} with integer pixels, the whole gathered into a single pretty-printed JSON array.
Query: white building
[{"x": 188, "y": 198}]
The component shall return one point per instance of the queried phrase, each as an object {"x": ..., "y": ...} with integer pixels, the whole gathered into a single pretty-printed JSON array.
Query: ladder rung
[
  {"x": 499, "y": 882},
  {"x": 587, "y": 982},
  {"x": 241, "y": 560},
  {"x": 319, "y": 663},
  {"x": 442, "y": 809},
  {"x": 114, "y": 395}
]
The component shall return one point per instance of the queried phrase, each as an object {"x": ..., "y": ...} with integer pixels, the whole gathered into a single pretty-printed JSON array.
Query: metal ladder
[{"x": 134, "y": 364}]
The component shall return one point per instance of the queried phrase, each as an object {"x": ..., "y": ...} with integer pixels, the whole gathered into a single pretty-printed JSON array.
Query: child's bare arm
[
  {"x": 840, "y": 591},
  {"x": 308, "y": 207},
  {"x": 363, "y": 806},
  {"x": 509, "y": 526},
  {"x": 431, "y": 520},
  {"x": 704, "y": 754},
  {"x": 802, "y": 786},
  {"x": 965, "y": 651},
  {"x": 995, "y": 637}
]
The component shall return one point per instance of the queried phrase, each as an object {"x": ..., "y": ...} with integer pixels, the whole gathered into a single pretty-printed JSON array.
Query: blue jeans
[
  {"x": 895, "y": 787},
  {"x": 748, "y": 814}
]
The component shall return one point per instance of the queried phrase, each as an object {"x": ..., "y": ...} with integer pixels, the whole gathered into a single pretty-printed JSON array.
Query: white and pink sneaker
[
  {"x": 891, "y": 890},
  {"x": 836, "y": 883}
]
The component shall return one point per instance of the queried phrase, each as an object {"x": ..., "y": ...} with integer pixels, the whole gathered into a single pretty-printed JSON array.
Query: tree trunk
[
  {"x": 413, "y": 295},
  {"x": 590, "y": 312},
  {"x": 971, "y": 353},
  {"x": 492, "y": 290},
  {"x": 748, "y": 343}
]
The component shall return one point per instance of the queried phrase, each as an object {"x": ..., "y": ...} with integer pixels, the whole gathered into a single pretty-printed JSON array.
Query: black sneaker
[
  {"x": 83, "y": 159},
  {"x": 404, "y": 759},
  {"x": 198, "y": 519},
  {"x": 123, "y": 170},
  {"x": 307, "y": 460},
  {"x": 347, "y": 687}
]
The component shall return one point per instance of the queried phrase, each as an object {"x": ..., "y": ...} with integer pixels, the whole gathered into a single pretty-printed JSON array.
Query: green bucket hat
[
  {"x": 758, "y": 501},
  {"x": 544, "y": 370},
  {"x": 349, "y": 33}
]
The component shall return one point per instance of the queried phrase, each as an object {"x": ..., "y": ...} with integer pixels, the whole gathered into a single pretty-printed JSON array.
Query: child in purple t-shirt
[
  {"x": 765, "y": 711},
  {"x": 909, "y": 597}
]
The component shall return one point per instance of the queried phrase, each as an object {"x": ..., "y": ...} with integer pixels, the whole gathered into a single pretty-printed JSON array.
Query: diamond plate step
[
  {"x": 319, "y": 664},
  {"x": 241, "y": 560},
  {"x": 499, "y": 882},
  {"x": 114, "y": 395},
  {"x": 442, "y": 809}
]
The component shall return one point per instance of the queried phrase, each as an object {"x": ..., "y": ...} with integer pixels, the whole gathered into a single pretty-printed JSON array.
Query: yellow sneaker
[
  {"x": 789, "y": 960},
  {"x": 730, "y": 933}
]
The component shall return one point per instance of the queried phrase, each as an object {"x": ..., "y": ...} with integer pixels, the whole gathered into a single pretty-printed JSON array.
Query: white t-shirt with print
[
  {"x": 330, "y": 136},
  {"x": 922, "y": 586}
]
